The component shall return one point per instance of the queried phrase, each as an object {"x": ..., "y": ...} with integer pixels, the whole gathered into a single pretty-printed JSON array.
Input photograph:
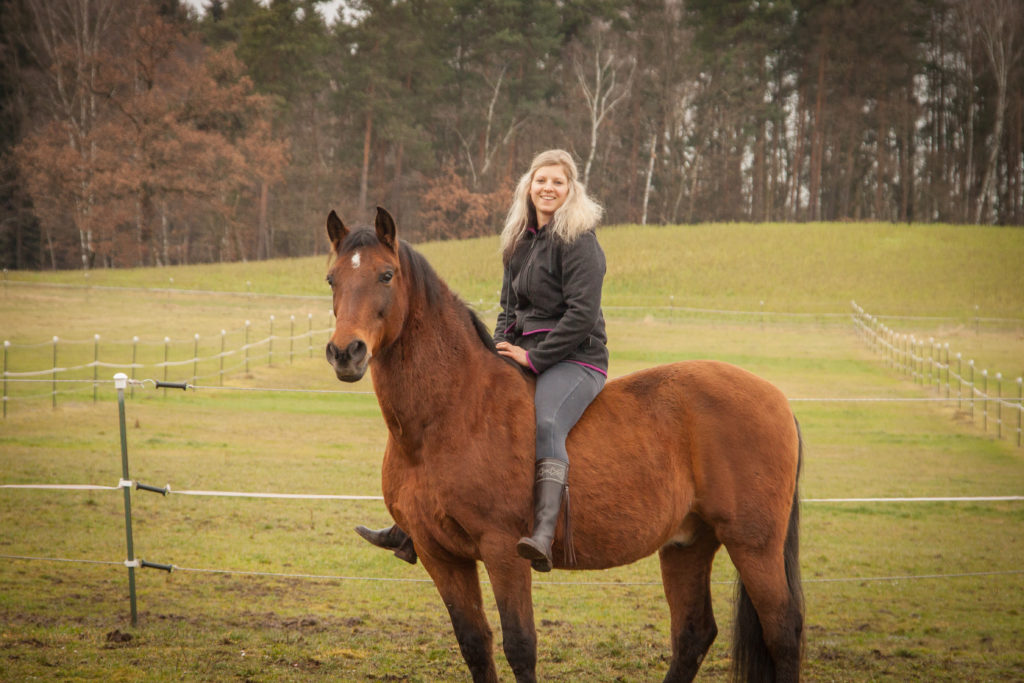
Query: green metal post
[{"x": 120, "y": 382}]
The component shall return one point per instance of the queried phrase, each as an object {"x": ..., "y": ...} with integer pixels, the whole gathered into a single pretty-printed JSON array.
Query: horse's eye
[
  {"x": 387, "y": 275},
  {"x": 330, "y": 280}
]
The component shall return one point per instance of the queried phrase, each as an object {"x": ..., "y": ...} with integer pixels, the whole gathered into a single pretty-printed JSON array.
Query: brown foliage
[
  {"x": 169, "y": 134},
  {"x": 451, "y": 210}
]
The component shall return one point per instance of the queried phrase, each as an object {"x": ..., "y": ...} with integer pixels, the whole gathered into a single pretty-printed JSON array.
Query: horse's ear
[
  {"x": 386, "y": 232},
  {"x": 336, "y": 230}
]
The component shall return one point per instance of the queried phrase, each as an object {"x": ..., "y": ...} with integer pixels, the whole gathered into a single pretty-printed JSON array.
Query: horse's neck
[{"x": 437, "y": 364}]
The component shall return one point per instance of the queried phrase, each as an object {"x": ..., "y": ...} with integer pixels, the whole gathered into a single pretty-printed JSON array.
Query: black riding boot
[
  {"x": 551, "y": 478},
  {"x": 392, "y": 538}
]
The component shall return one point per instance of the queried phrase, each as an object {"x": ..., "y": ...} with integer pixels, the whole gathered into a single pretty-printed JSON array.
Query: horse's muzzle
[{"x": 349, "y": 363}]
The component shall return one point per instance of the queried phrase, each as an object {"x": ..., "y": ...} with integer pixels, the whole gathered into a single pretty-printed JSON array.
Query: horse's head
[{"x": 369, "y": 297}]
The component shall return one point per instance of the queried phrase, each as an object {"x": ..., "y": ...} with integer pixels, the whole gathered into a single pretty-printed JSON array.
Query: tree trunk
[
  {"x": 365, "y": 175},
  {"x": 650, "y": 173},
  {"x": 817, "y": 143},
  {"x": 264, "y": 246},
  {"x": 880, "y": 160}
]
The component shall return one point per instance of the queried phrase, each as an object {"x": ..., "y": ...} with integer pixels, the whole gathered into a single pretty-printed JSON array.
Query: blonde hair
[{"x": 579, "y": 213}]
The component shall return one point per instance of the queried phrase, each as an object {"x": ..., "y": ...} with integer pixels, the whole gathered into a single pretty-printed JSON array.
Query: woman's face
[{"x": 548, "y": 190}]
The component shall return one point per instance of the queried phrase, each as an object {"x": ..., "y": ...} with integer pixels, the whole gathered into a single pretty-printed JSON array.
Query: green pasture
[{"x": 270, "y": 590}]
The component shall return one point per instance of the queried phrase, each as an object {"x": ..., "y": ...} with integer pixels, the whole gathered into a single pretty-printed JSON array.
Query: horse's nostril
[
  {"x": 332, "y": 351},
  {"x": 356, "y": 350}
]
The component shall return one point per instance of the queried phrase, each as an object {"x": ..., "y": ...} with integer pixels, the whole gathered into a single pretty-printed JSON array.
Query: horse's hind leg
[
  {"x": 686, "y": 575},
  {"x": 764, "y": 587},
  {"x": 459, "y": 586}
]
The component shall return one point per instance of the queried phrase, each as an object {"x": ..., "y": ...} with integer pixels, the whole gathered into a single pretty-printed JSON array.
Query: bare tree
[
  {"x": 68, "y": 41},
  {"x": 599, "y": 81},
  {"x": 998, "y": 24},
  {"x": 488, "y": 145}
]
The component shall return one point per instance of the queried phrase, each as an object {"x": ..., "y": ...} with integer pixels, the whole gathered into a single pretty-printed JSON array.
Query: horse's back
[{"x": 659, "y": 446}]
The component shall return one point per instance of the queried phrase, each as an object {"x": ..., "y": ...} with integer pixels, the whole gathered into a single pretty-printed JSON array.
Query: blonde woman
[{"x": 550, "y": 323}]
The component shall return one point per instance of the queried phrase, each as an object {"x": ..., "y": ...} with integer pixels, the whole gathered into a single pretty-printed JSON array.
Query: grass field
[{"x": 270, "y": 590}]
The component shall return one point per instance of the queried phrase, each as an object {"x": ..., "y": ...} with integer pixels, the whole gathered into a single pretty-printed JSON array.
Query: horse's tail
[{"x": 751, "y": 660}]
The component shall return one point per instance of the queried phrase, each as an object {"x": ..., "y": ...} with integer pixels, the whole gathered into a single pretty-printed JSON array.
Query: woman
[{"x": 550, "y": 323}]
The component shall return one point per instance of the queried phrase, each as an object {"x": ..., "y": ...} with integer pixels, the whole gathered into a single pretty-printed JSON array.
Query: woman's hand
[{"x": 516, "y": 353}]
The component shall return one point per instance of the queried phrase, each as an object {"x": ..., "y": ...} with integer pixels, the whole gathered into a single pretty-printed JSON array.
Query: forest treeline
[{"x": 143, "y": 132}]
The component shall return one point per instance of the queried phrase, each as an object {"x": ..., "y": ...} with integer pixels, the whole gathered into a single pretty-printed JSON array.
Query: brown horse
[{"x": 678, "y": 460}]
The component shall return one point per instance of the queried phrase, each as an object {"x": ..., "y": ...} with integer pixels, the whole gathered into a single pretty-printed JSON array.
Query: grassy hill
[{"x": 892, "y": 269}]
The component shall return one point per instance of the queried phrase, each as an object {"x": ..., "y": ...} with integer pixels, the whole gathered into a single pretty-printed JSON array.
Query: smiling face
[{"x": 548, "y": 190}]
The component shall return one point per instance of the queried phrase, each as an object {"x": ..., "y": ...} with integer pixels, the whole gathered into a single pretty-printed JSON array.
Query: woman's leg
[{"x": 563, "y": 393}]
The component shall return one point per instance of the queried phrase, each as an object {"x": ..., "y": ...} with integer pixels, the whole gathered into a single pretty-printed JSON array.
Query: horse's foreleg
[
  {"x": 459, "y": 586},
  {"x": 686, "y": 575},
  {"x": 511, "y": 581}
]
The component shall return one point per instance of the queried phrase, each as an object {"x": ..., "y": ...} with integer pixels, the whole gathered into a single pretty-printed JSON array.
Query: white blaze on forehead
[{"x": 355, "y": 260}]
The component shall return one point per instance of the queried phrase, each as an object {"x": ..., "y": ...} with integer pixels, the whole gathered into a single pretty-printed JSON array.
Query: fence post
[
  {"x": 95, "y": 364},
  {"x": 223, "y": 333},
  {"x": 999, "y": 405},
  {"x": 1020, "y": 406},
  {"x": 970, "y": 384},
  {"x": 984, "y": 398},
  {"x": 291, "y": 341},
  {"x": 912, "y": 358},
  {"x": 310, "y": 335},
  {"x": 925, "y": 378},
  {"x": 6, "y": 345},
  {"x": 135, "y": 349},
  {"x": 120, "y": 381},
  {"x": 946, "y": 349},
  {"x": 270, "y": 349},
  {"x": 167, "y": 343},
  {"x": 195, "y": 359},
  {"x": 931, "y": 360},
  {"x": 959, "y": 379},
  {"x": 247, "y": 346},
  {"x": 54, "y": 400}
]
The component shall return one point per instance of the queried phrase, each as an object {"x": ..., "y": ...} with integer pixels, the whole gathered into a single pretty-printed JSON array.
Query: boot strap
[{"x": 568, "y": 552}]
